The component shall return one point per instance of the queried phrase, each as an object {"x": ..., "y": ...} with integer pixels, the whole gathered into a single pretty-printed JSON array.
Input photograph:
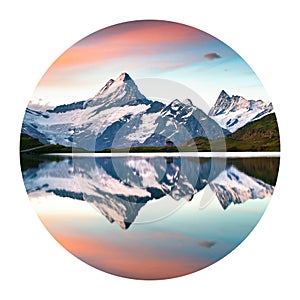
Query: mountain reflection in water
[{"x": 119, "y": 187}]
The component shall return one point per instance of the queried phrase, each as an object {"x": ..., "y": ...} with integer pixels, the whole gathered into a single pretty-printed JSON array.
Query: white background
[{"x": 33, "y": 34}]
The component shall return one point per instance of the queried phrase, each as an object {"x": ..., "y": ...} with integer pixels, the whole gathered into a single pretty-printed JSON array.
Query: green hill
[
  {"x": 30, "y": 145},
  {"x": 28, "y": 142},
  {"x": 260, "y": 135}
]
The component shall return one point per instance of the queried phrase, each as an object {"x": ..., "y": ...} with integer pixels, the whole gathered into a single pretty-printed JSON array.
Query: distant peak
[
  {"x": 188, "y": 102},
  {"x": 223, "y": 94},
  {"x": 123, "y": 77},
  {"x": 119, "y": 87},
  {"x": 175, "y": 102}
]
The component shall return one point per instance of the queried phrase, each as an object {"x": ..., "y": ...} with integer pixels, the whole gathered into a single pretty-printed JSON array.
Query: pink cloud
[{"x": 144, "y": 39}]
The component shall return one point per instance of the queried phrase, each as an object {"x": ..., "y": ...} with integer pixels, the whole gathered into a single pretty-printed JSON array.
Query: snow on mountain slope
[
  {"x": 119, "y": 116},
  {"x": 180, "y": 121},
  {"x": 177, "y": 121},
  {"x": 145, "y": 128},
  {"x": 78, "y": 124},
  {"x": 66, "y": 128},
  {"x": 118, "y": 92},
  {"x": 234, "y": 186},
  {"x": 234, "y": 112}
]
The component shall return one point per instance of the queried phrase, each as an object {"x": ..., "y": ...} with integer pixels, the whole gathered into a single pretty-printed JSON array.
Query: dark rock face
[{"x": 67, "y": 107}]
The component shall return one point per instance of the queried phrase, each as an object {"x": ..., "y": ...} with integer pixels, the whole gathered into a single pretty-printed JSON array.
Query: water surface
[{"x": 149, "y": 217}]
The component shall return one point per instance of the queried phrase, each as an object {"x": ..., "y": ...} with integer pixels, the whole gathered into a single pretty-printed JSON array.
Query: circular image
[{"x": 149, "y": 149}]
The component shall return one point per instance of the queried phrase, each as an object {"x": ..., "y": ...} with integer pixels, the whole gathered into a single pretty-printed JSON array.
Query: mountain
[
  {"x": 30, "y": 127},
  {"x": 80, "y": 123},
  {"x": 176, "y": 121},
  {"x": 119, "y": 116},
  {"x": 234, "y": 112}
]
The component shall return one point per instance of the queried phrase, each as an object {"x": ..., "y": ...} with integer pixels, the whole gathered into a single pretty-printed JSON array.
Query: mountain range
[{"x": 120, "y": 116}]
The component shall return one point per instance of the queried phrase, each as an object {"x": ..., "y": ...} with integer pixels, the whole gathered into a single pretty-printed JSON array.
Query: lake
[{"x": 149, "y": 216}]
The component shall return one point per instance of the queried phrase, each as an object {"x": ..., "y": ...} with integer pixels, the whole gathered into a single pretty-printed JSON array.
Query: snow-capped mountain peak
[
  {"x": 124, "y": 77},
  {"x": 80, "y": 123},
  {"x": 234, "y": 112},
  {"x": 223, "y": 94},
  {"x": 225, "y": 104},
  {"x": 175, "y": 103},
  {"x": 118, "y": 88}
]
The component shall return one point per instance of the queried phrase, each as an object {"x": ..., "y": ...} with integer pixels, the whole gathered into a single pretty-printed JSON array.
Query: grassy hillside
[
  {"x": 28, "y": 142},
  {"x": 260, "y": 135},
  {"x": 28, "y": 145}
]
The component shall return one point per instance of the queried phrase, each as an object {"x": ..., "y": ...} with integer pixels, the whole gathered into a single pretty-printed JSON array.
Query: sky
[{"x": 148, "y": 49}]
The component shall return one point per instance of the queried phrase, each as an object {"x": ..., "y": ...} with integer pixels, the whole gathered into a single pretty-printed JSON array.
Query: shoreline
[{"x": 169, "y": 154}]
